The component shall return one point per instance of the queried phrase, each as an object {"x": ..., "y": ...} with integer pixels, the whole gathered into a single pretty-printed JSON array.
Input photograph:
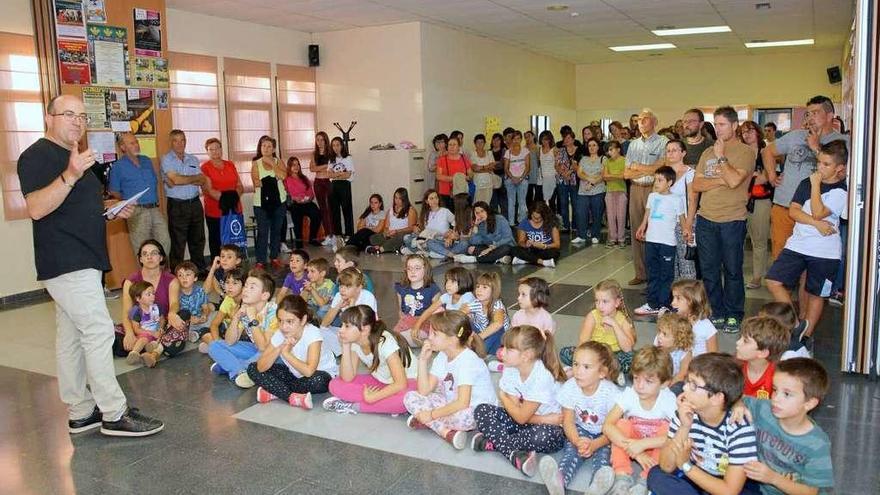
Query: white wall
[
  {"x": 371, "y": 75},
  {"x": 467, "y": 78},
  {"x": 671, "y": 86}
]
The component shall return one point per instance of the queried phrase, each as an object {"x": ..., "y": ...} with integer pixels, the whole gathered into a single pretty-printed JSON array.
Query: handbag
[{"x": 690, "y": 253}]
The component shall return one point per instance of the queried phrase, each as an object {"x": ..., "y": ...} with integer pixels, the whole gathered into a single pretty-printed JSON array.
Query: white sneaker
[
  {"x": 340, "y": 406},
  {"x": 504, "y": 260},
  {"x": 602, "y": 481},
  {"x": 109, "y": 294},
  {"x": 578, "y": 240},
  {"x": 517, "y": 261},
  {"x": 595, "y": 240},
  {"x": 436, "y": 256},
  {"x": 328, "y": 241},
  {"x": 646, "y": 310},
  {"x": 495, "y": 366},
  {"x": 549, "y": 470},
  {"x": 466, "y": 258},
  {"x": 406, "y": 251},
  {"x": 549, "y": 263},
  {"x": 243, "y": 380},
  {"x": 284, "y": 248},
  {"x": 621, "y": 379}
]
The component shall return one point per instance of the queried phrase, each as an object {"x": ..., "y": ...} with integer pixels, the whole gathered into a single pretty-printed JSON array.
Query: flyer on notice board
[
  {"x": 108, "y": 47},
  {"x": 147, "y": 33},
  {"x": 97, "y": 102},
  {"x": 73, "y": 61},
  {"x": 69, "y": 20}
]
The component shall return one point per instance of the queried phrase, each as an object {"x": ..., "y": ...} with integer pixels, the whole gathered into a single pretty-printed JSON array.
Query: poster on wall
[
  {"x": 95, "y": 12},
  {"x": 108, "y": 47},
  {"x": 118, "y": 110},
  {"x": 147, "y": 33},
  {"x": 69, "y": 21},
  {"x": 97, "y": 103},
  {"x": 151, "y": 72},
  {"x": 104, "y": 145},
  {"x": 161, "y": 99},
  {"x": 73, "y": 61},
  {"x": 141, "y": 111}
]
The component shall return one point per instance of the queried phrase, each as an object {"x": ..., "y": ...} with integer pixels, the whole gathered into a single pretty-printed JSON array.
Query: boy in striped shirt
[{"x": 706, "y": 452}]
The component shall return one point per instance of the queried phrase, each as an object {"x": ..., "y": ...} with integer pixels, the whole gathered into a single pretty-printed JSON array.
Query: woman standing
[
  {"x": 684, "y": 175},
  {"x": 567, "y": 160},
  {"x": 340, "y": 170},
  {"x": 301, "y": 205},
  {"x": 483, "y": 166},
  {"x": 439, "y": 143},
  {"x": 322, "y": 183},
  {"x": 535, "y": 193},
  {"x": 222, "y": 178},
  {"x": 547, "y": 166},
  {"x": 453, "y": 162},
  {"x": 516, "y": 177},
  {"x": 499, "y": 195},
  {"x": 591, "y": 195},
  {"x": 760, "y": 193},
  {"x": 268, "y": 174}
]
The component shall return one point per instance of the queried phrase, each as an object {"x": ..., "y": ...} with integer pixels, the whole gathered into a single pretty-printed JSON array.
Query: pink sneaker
[
  {"x": 301, "y": 400},
  {"x": 263, "y": 396}
]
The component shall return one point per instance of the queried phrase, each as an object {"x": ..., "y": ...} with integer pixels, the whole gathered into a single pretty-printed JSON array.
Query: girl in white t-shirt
[
  {"x": 689, "y": 299},
  {"x": 456, "y": 383},
  {"x": 459, "y": 285},
  {"x": 586, "y": 399},
  {"x": 675, "y": 336},
  {"x": 434, "y": 221},
  {"x": 528, "y": 419},
  {"x": 371, "y": 222},
  {"x": 351, "y": 293},
  {"x": 295, "y": 365},
  {"x": 392, "y": 369}
]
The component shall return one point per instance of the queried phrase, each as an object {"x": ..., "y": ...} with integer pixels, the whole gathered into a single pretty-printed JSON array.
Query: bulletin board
[{"x": 114, "y": 55}]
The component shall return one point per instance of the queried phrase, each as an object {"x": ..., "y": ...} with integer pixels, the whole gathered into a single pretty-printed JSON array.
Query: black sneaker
[
  {"x": 718, "y": 323},
  {"x": 90, "y": 422},
  {"x": 132, "y": 424},
  {"x": 731, "y": 325},
  {"x": 524, "y": 461},
  {"x": 481, "y": 444}
]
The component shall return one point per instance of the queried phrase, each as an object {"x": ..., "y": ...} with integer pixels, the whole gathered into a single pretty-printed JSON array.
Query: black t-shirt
[
  {"x": 73, "y": 237},
  {"x": 694, "y": 151}
]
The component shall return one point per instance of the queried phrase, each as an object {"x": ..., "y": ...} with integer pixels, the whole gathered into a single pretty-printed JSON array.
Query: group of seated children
[{"x": 682, "y": 421}]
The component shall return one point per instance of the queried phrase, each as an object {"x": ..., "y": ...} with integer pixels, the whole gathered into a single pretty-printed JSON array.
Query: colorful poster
[
  {"x": 69, "y": 21},
  {"x": 97, "y": 103},
  {"x": 73, "y": 60},
  {"x": 148, "y": 146},
  {"x": 95, "y": 12},
  {"x": 104, "y": 145},
  {"x": 118, "y": 110},
  {"x": 161, "y": 99},
  {"x": 108, "y": 47},
  {"x": 147, "y": 33},
  {"x": 151, "y": 72},
  {"x": 141, "y": 111}
]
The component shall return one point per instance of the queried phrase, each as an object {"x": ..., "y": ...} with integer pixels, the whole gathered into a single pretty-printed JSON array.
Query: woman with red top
[
  {"x": 299, "y": 189},
  {"x": 320, "y": 167},
  {"x": 454, "y": 162},
  {"x": 222, "y": 177}
]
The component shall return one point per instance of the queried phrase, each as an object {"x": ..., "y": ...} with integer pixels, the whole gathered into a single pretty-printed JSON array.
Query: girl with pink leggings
[{"x": 392, "y": 369}]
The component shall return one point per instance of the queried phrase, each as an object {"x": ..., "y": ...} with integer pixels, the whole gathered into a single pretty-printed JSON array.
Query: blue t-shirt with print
[
  {"x": 414, "y": 302},
  {"x": 533, "y": 234},
  {"x": 194, "y": 300}
]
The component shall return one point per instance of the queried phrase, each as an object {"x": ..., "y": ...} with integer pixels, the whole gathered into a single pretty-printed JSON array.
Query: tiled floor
[{"x": 217, "y": 441}]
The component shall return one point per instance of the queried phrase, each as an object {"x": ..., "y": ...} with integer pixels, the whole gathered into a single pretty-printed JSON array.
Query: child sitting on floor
[
  {"x": 193, "y": 299},
  {"x": 146, "y": 324},
  {"x": 233, "y": 286},
  {"x": 416, "y": 292}
]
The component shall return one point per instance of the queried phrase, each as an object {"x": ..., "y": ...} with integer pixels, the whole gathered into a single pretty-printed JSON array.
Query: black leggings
[
  {"x": 280, "y": 382},
  {"x": 508, "y": 436},
  {"x": 361, "y": 239},
  {"x": 493, "y": 255},
  {"x": 340, "y": 207},
  {"x": 298, "y": 211}
]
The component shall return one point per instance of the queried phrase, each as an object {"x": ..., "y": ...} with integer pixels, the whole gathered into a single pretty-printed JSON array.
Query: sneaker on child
[
  {"x": 549, "y": 470},
  {"x": 646, "y": 310},
  {"x": 337, "y": 405}
]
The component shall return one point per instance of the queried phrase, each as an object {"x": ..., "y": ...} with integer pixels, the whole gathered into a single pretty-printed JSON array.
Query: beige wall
[
  {"x": 371, "y": 75},
  {"x": 467, "y": 78},
  {"x": 674, "y": 85}
]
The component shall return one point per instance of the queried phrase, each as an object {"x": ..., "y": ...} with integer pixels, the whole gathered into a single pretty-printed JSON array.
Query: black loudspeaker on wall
[
  {"x": 315, "y": 60},
  {"x": 833, "y": 74}
]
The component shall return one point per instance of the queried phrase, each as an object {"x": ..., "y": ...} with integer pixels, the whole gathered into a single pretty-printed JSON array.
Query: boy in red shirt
[{"x": 762, "y": 342}]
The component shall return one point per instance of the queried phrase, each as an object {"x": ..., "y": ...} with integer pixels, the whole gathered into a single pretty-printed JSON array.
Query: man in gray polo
[
  {"x": 645, "y": 155},
  {"x": 186, "y": 218}
]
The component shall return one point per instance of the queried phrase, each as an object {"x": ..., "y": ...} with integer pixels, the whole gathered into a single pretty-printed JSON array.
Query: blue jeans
[
  {"x": 233, "y": 359},
  {"x": 516, "y": 200},
  {"x": 662, "y": 483},
  {"x": 493, "y": 342},
  {"x": 571, "y": 461},
  {"x": 438, "y": 246},
  {"x": 269, "y": 226},
  {"x": 720, "y": 252},
  {"x": 660, "y": 260},
  {"x": 566, "y": 195},
  {"x": 589, "y": 213}
]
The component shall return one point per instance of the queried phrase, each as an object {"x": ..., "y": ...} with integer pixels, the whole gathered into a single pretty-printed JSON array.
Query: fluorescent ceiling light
[
  {"x": 635, "y": 48},
  {"x": 694, "y": 30},
  {"x": 767, "y": 44}
]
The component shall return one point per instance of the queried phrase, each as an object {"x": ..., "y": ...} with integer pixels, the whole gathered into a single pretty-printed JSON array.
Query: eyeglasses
[
  {"x": 73, "y": 116},
  {"x": 693, "y": 386}
]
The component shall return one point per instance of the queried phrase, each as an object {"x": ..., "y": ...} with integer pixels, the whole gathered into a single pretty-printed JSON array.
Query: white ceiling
[{"x": 582, "y": 39}]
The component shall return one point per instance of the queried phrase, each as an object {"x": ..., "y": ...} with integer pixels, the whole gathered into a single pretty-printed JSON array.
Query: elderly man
[
  {"x": 129, "y": 175},
  {"x": 70, "y": 250},
  {"x": 645, "y": 155},
  {"x": 800, "y": 148},
  {"x": 694, "y": 141},
  {"x": 186, "y": 218},
  {"x": 721, "y": 219}
]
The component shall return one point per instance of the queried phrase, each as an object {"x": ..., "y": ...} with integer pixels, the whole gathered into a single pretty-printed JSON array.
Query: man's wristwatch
[{"x": 686, "y": 467}]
